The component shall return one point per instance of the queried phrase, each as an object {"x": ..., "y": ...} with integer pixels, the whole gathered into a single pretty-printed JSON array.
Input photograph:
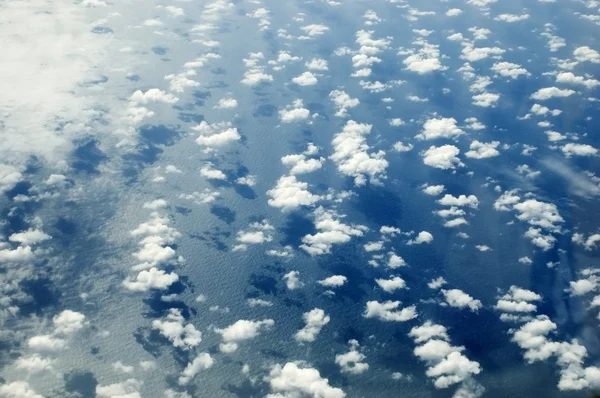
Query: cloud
[
  {"x": 314, "y": 30},
  {"x": 202, "y": 362},
  {"x": 342, "y": 101},
  {"x": 401, "y": 147},
  {"x": 486, "y": 100},
  {"x": 422, "y": 237},
  {"x": 290, "y": 194},
  {"x": 586, "y": 54},
  {"x": 459, "y": 299},
  {"x": 459, "y": 201},
  {"x": 433, "y": 190},
  {"x": 126, "y": 389},
  {"x": 305, "y": 79},
  {"x": 352, "y": 361},
  {"x": 212, "y": 174},
  {"x": 331, "y": 231},
  {"x": 318, "y": 64},
  {"x": 439, "y": 128},
  {"x": 389, "y": 311},
  {"x": 453, "y": 12},
  {"x": 216, "y": 135},
  {"x": 570, "y": 78},
  {"x": 172, "y": 327},
  {"x": 511, "y": 18},
  {"x": 257, "y": 233},
  {"x": 333, "y": 281},
  {"x": 571, "y": 149},
  {"x": 352, "y": 157},
  {"x": 315, "y": 320},
  {"x": 292, "y": 280},
  {"x": 255, "y": 74},
  {"x": 29, "y": 237},
  {"x": 227, "y": 103},
  {"x": 392, "y": 284},
  {"x": 551, "y": 92},
  {"x": 240, "y": 331},
  {"x": 294, "y": 113},
  {"x": 443, "y": 157},
  {"x": 297, "y": 379},
  {"x": 424, "y": 60},
  {"x": 483, "y": 150}
]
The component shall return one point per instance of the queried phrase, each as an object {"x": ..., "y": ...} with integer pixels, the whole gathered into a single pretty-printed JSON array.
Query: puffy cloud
[
  {"x": 173, "y": 328},
  {"x": 18, "y": 389},
  {"x": 453, "y": 12},
  {"x": 402, "y": 147},
  {"x": 551, "y": 92},
  {"x": 296, "y": 379},
  {"x": 507, "y": 200},
  {"x": 459, "y": 299},
  {"x": 440, "y": 128},
  {"x": 257, "y": 233},
  {"x": 570, "y": 78},
  {"x": 290, "y": 194},
  {"x": 486, "y": 100},
  {"x": 453, "y": 369},
  {"x": 583, "y": 286},
  {"x": 424, "y": 60},
  {"x": 460, "y": 201},
  {"x": 212, "y": 174},
  {"x": 392, "y": 284},
  {"x": 152, "y": 278},
  {"x": 437, "y": 283},
  {"x": 294, "y": 113},
  {"x": 314, "y": 30},
  {"x": 433, "y": 190},
  {"x": 586, "y": 54},
  {"x": 352, "y": 157},
  {"x": 68, "y": 322},
  {"x": 29, "y": 237},
  {"x": 483, "y": 150},
  {"x": 342, "y": 101},
  {"x": 305, "y": 79},
  {"x": 539, "y": 214},
  {"x": 255, "y": 74},
  {"x": 510, "y": 18},
  {"x": 292, "y": 280},
  {"x": 153, "y": 95},
  {"x": 590, "y": 243},
  {"x": 301, "y": 164},
  {"x": 352, "y": 361},
  {"x": 571, "y": 149},
  {"x": 395, "y": 261},
  {"x": 202, "y": 362},
  {"x": 262, "y": 14},
  {"x": 46, "y": 343},
  {"x": 216, "y": 135},
  {"x": 240, "y": 331},
  {"x": 9, "y": 177},
  {"x": 474, "y": 124},
  {"x": 127, "y": 389},
  {"x": 315, "y": 320},
  {"x": 331, "y": 231},
  {"x": 334, "y": 281},
  {"x": 33, "y": 364},
  {"x": 227, "y": 103},
  {"x": 473, "y": 54},
  {"x": 428, "y": 331},
  {"x": 443, "y": 157},
  {"x": 256, "y": 302},
  {"x": 389, "y": 311},
  {"x": 179, "y": 82},
  {"x": 422, "y": 237},
  {"x": 318, "y": 64}
]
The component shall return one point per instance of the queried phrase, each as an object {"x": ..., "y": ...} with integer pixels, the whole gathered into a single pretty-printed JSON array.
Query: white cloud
[
  {"x": 352, "y": 361},
  {"x": 202, "y": 362},
  {"x": 318, "y": 64},
  {"x": 571, "y": 149},
  {"x": 294, "y": 113},
  {"x": 29, "y": 237},
  {"x": 315, "y": 320},
  {"x": 334, "y": 281},
  {"x": 255, "y": 75},
  {"x": 342, "y": 101},
  {"x": 352, "y": 157},
  {"x": 586, "y": 54},
  {"x": 127, "y": 389},
  {"x": 212, "y": 174},
  {"x": 512, "y": 17},
  {"x": 227, "y": 103},
  {"x": 257, "y": 233},
  {"x": 305, "y": 79},
  {"x": 172, "y": 327},
  {"x": 551, "y": 92},
  {"x": 486, "y": 100},
  {"x": 483, "y": 150},
  {"x": 459, "y": 299},
  {"x": 424, "y": 60},
  {"x": 392, "y": 284},
  {"x": 331, "y": 231},
  {"x": 439, "y": 128},
  {"x": 443, "y": 157},
  {"x": 389, "y": 311},
  {"x": 428, "y": 331},
  {"x": 290, "y": 194},
  {"x": 459, "y": 201},
  {"x": 570, "y": 78},
  {"x": 314, "y": 30},
  {"x": 422, "y": 237},
  {"x": 297, "y": 379},
  {"x": 433, "y": 190},
  {"x": 453, "y": 12},
  {"x": 292, "y": 280},
  {"x": 437, "y": 283},
  {"x": 216, "y": 135},
  {"x": 240, "y": 331}
]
